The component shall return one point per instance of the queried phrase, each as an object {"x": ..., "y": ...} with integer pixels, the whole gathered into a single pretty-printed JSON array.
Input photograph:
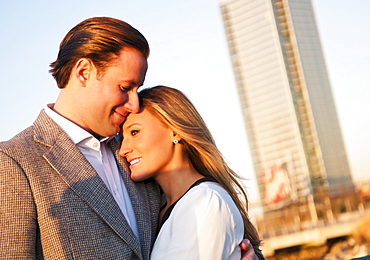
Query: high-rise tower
[{"x": 291, "y": 121}]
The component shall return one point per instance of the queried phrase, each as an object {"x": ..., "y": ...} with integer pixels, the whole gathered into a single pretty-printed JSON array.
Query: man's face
[{"x": 109, "y": 98}]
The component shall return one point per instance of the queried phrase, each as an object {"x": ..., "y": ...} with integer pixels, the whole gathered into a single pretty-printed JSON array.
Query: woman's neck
[{"x": 176, "y": 182}]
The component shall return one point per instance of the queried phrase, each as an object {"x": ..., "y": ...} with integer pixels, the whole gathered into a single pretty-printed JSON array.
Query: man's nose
[{"x": 132, "y": 104}]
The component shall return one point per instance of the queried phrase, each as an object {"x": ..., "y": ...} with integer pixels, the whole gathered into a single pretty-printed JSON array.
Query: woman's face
[{"x": 147, "y": 145}]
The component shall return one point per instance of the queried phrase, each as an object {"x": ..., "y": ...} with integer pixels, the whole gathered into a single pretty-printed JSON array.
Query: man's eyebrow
[{"x": 131, "y": 82}]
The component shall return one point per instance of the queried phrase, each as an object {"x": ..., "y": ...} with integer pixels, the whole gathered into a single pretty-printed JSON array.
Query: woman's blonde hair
[{"x": 176, "y": 111}]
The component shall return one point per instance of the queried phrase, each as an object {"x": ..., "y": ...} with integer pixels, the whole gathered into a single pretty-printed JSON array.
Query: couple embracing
[{"x": 107, "y": 172}]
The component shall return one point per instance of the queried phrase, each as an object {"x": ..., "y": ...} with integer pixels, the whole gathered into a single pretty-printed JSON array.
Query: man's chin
[{"x": 111, "y": 133}]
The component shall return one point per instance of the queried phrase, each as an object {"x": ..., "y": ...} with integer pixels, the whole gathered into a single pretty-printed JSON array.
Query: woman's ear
[{"x": 176, "y": 138}]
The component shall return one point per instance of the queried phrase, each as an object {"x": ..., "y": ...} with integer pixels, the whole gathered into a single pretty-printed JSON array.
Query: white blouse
[{"x": 204, "y": 224}]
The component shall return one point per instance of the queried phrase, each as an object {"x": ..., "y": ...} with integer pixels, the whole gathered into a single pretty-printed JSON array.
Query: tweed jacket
[{"x": 53, "y": 204}]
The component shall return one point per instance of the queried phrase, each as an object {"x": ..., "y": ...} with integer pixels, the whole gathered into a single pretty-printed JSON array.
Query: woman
[{"x": 205, "y": 216}]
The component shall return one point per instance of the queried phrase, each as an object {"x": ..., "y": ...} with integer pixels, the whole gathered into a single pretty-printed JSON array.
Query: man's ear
[{"x": 83, "y": 70}]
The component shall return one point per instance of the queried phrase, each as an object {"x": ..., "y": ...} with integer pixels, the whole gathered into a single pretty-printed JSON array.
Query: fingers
[{"x": 245, "y": 245}]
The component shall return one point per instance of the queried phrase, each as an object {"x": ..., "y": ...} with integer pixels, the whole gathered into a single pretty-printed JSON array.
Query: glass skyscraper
[{"x": 293, "y": 130}]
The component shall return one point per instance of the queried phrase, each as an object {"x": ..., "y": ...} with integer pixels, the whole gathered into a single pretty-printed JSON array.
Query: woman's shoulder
[
  {"x": 209, "y": 188},
  {"x": 209, "y": 196}
]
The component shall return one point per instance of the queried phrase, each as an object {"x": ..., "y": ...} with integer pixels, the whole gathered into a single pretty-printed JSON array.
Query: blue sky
[{"x": 188, "y": 52}]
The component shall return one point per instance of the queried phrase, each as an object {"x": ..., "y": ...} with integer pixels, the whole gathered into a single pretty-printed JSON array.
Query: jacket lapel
[
  {"x": 139, "y": 199},
  {"x": 80, "y": 176}
]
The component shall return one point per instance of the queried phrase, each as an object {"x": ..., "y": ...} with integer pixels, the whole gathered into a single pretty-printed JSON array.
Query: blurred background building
[{"x": 296, "y": 144}]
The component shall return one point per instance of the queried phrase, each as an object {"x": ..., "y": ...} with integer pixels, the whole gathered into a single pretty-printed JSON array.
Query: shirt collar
[{"x": 75, "y": 132}]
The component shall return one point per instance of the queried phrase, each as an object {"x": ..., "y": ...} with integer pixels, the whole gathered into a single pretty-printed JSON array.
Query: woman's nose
[{"x": 124, "y": 150}]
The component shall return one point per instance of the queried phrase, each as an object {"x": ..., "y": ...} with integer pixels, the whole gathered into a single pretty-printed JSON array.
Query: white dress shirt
[
  {"x": 101, "y": 157},
  {"x": 204, "y": 224}
]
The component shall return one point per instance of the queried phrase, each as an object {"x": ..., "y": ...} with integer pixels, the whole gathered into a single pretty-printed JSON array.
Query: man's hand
[{"x": 247, "y": 250}]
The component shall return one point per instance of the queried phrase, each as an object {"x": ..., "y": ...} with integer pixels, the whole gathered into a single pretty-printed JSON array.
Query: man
[
  {"x": 65, "y": 192},
  {"x": 63, "y": 188}
]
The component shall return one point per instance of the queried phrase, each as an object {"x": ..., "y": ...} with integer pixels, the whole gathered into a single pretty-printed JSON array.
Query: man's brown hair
[{"x": 99, "y": 39}]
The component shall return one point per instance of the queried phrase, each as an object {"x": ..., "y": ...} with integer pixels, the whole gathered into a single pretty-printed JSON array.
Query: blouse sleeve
[{"x": 205, "y": 224}]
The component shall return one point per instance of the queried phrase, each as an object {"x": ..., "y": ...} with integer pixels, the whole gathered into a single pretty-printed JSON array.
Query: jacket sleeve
[
  {"x": 18, "y": 223},
  {"x": 259, "y": 254}
]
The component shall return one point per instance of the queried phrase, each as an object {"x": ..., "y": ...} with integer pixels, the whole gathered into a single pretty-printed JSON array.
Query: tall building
[{"x": 293, "y": 130}]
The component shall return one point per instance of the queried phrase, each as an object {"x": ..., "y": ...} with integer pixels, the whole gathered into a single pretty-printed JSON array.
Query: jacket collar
[{"x": 80, "y": 176}]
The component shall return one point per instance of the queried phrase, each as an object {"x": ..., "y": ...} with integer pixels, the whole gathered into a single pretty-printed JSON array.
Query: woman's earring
[{"x": 175, "y": 141}]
